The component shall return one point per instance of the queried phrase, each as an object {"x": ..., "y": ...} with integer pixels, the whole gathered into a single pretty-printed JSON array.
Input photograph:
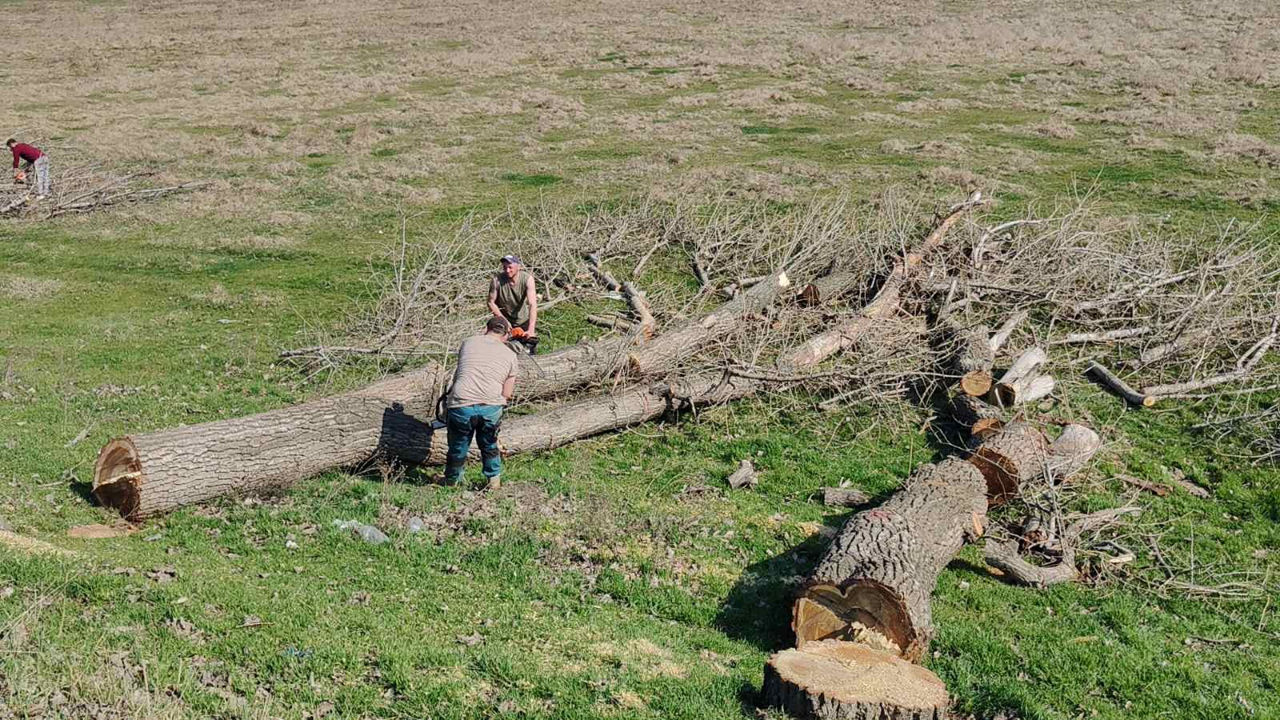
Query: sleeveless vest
[{"x": 512, "y": 297}]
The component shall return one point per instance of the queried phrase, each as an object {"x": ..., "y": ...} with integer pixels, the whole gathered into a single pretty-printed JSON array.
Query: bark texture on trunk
[
  {"x": 875, "y": 580},
  {"x": 151, "y": 473},
  {"x": 832, "y": 679}
]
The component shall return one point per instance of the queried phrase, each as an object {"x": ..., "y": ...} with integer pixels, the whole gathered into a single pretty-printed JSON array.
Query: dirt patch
[{"x": 25, "y": 288}]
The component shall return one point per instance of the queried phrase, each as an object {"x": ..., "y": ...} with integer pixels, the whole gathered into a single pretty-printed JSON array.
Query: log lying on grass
[
  {"x": 874, "y": 583},
  {"x": 1009, "y": 458},
  {"x": 152, "y": 473}
]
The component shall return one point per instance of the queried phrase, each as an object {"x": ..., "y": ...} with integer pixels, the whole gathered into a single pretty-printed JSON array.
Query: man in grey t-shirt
[{"x": 483, "y": 382}]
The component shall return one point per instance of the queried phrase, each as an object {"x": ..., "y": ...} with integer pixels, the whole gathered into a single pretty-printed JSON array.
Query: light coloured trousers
[{"x": 41, "y": 172}]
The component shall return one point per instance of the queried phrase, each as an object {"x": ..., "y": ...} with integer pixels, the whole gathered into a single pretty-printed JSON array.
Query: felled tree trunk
[
  {"x": 874, "y": 583},
  {"x": 1009, "y": 458},
  {"x": 151, "y": 473}
]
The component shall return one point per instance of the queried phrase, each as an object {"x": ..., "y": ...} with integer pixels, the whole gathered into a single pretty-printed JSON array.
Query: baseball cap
[{"x": 513, "y": 259}]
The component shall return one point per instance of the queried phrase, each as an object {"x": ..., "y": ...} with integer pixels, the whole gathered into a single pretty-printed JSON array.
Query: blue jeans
[{"x": 482, "y": 421}]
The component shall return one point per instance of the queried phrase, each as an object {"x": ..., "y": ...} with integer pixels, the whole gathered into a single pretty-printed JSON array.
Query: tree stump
[{"x": 835, "y": 679}]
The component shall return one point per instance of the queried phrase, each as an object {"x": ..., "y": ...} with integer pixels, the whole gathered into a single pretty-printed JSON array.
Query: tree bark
[
  {"x": 874, "y": 583},
  {"x": 833, "y": 679},
  {"x": 151, "y": 473}
]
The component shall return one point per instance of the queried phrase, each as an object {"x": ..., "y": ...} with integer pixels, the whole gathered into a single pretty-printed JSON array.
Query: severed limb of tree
[
  {"x": 1001, "y": 336},
  {"x": 1073, "y": 449},
  {"x": 886, "y": 300},
  {"x": 663, "y": 352},
  {"x": 972, "y": 357},
  {"x": 1009, "y": 458},
  {"x": 610, "y": 322},
  {"x": 1118, "y": 386},
  {"x": 1244, "y": 366},
  {"x": 1004, "y": 556},
  {"x": 640, "y": 307},
  {"x": 1025, "y": 389},
  {"x": 1103, "y": 337},
  {"x": 601, "y": 275}
]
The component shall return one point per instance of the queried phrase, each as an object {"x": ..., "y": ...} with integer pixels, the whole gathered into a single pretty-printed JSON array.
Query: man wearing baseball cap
[{"x": 513, "y": 296}]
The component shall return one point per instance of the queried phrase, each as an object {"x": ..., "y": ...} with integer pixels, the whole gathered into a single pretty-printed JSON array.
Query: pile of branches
[{"x": 82, "y": 189}]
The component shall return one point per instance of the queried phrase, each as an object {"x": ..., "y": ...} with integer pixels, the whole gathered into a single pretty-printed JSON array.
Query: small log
[
  {"x": 1001, "y": 336},
  {"x": 976, "y": 383},
  {"x": 844, "y": 497},
  {"x": 1026, "y": 389},
  {"x": 972, "y": 349},
  {"x": 601, "y": 275},
  {"x": 639, "y": 306},
  {"x": 744, "y": 477},
  {"x": 1025, "y": 365},
  {"x": 1103, "y": 337},
  {"x": 1075, "y": 447},
  {"x": 1010, "y": 458},
  {"x": 610, "y": 322},
  {"x": 875, "y": 580},
  {"x": 1108, "y": 379},
  {"x": 835, "y": 679},
  {"x": 968, "y": 411}
]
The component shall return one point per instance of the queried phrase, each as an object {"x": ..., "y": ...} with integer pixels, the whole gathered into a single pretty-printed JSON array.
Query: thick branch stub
[{"x": 834, "y": 679}]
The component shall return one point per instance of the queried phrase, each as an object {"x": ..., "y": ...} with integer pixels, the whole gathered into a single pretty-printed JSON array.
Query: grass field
[{"x": 618, "y": 577}]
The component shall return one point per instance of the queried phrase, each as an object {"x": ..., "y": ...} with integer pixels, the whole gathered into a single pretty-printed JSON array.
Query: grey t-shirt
[{"x": 484, "y": 364}]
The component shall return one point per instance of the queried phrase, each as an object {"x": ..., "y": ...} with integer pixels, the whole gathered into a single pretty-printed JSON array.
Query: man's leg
[
  {"x": 42, "y": 175},
  {"x": 487, "y": 439},
  {"x": 460, "y": 431}
]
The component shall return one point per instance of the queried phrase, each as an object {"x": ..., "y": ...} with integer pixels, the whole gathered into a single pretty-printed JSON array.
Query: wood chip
[
  {"x": 744, "y": 477},
  {"x": 844, "y": 497}
]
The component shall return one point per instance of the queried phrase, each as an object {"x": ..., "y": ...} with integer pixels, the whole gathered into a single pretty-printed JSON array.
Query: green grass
[{"x": 615, "y": 578}]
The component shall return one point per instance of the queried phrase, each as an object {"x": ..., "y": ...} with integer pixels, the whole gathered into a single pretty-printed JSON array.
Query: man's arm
[
  {"x": 14, "y": 150},
  {"x": 531, "y": 297},
  {"x": 493, "y": 298},
  {"x": 509, "y": 388}
]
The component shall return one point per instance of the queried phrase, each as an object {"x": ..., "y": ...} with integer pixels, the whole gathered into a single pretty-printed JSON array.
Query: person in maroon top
[{"x": 32, "y": 158}]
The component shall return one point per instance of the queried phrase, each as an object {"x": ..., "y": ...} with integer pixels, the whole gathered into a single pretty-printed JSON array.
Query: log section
[
  {"x": 833, "y": 679},
  {"x": 874, "y": 583}
]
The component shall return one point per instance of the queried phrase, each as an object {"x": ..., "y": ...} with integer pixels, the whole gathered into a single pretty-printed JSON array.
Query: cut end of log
[
  {"x": 117, "y": 477},
  {"x": 1000, "y": 472},
  {"x": 1007, "y": 458},
  {"x": 986, "y": 427},
  {"x": 836, "y": 679},
  {"x": 975, "y": 383},
  {"x": 866, "y": 611}
]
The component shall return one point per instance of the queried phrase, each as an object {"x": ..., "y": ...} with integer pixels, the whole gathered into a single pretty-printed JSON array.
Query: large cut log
[
  {"x": 151, "y": 473},
  {"x": 834, "y": 679},
  {"x": 1009, "y": 459},
  {"x": 885, "y": 302},
  {"x": 873, "y": 584}
]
